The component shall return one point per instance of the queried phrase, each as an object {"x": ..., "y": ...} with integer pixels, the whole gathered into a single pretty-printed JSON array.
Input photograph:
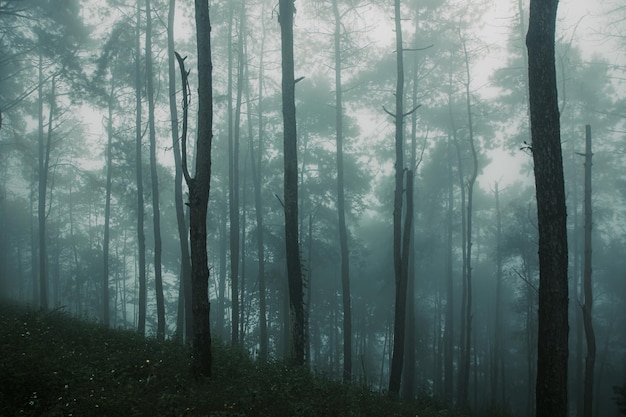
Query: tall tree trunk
[
  {"x": 156, "y": 214},
  {"x": 141, "y": 238},
  {"x": 467, "y": 313},
  {"x": 257, "y": 178},
  {"x": 462, "y": 383},
  {"x": 233, "y": 187},
  {"x": 294, "y": 268},
  {"x": 341, "y": 210},
  {"x": 44, "y": 159},
  {"x": 107, "y": 215},
  {"x": 184, "y": 323},
  {"x": 400, "y": 251},
  {"x": 551, "y": 399},
  {"x": 199, "y": 188},
  {"x": 590, "y": 360},
  {"x": 448, "y": 334},
  {"x": 497, "y": 333}
]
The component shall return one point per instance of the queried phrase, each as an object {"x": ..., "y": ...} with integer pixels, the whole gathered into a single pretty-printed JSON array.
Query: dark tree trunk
[
  {"x": 184, "y": 322},
  {"x": 551, "y": 399},
  {"x": 448, "y": 333},
  {"x": 497, "y": 333},
  {"x": 400, "y": 271},
  {"x": 466, "y": 343},
  {"x": 233, "y": 188},
  {"x": 156, "y": 214},
  {"x": 199, "y": 188},
  {"x": 341, "y": 210},
  {"x": 141, "y": 238},
  {"x": 294, "y": 268},
  {"x": 590, "y": 360},
  {"x": 107, "y": 215},
  {"x": 257, "y": 178},
  {"x": 44, "y": 160}
]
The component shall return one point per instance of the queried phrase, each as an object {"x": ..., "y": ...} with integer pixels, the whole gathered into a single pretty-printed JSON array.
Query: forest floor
[{"x": 54, "y": 365}]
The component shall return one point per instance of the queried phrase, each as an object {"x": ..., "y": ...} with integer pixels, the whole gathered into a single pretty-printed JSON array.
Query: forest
[{"x": 147, "y": 183}]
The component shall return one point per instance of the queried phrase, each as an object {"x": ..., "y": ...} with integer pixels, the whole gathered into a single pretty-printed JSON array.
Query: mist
[{"x": 416, "y": 164}]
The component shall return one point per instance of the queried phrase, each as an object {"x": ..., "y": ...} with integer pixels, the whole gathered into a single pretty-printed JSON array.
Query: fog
[{"x": 93, "y": 203}]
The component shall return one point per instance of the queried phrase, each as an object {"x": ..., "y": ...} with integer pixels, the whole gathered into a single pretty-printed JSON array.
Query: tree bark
[
  {"x": 107, "y": 215},
  {"x": 156, "y": 214},
  {"x": 141, "y": 238},
  {"x": 257, "y": 178},
  {"x": 590, "y": 360},
  {"x": 294, "y": 268},
  {"x": 199, "y": 188},
  {"x": 341, "y": 210},
  {"x": 551, "y": 390},
  {"x": 233, "y": 188},
  {"x": 184, "y": 322}
]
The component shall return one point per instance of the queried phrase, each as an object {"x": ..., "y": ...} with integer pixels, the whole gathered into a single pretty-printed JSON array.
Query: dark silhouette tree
[
  {"x": 199, "y": 188},
  {"x": 156, "y": 213},
  {"x": 551, "y": 390},
  {"x": 290, "y": 155},
  {"x": 141, "y": 237}
]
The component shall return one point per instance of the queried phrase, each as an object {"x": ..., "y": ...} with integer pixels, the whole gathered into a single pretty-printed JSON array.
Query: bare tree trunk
[
  {"x": 401, "y": 244},
  {"x": 107, "y": 215},
  {"x": 467, "y": 313},
  {"x": 587, "y": 317},
  {"x": 233, "y": 189},
  {"x": 257, "y": 178},
  {"x": 44, "y": 160},
  {"x": 497, "y": 337},
  {"x": 294, "y": 268},
  {"x": 184, "y": 322},
  {"x": 141, "y": 238},
  {"x": 551, "y": 212},
  {"x": 199, "y": 188},
  {"x": 448, "y": 334},
  {"x": 156, "y": 214},
  {"x": 343, "y": 231}
]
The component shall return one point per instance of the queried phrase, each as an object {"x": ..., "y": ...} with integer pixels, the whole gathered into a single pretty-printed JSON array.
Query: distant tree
[
  {"x": 341, "y": 210},
  {"x": 401, "y": 236},
  {"x": 551, "y": 397},
  {"x": 587, "y": 285},
  {"x": 183, "y": 323},
  {"x": 141, "y": 237},
  {"x": 156, "y": 213},
  {"x": 290, "y": 155}
]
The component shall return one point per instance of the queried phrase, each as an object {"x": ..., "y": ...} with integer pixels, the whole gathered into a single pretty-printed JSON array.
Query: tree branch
[{"x": 186, "y": 94}]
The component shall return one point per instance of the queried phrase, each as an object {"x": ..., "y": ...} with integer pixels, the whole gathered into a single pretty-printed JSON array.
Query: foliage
[{"x": 55, "y": 365}]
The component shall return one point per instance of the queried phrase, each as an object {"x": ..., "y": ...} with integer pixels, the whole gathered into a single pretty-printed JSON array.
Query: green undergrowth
[{"x": 55, "y": 365}]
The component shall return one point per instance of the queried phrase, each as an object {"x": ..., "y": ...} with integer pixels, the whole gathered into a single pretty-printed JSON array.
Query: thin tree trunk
[
  {"x": 257, "y": 178},
  {"x": 448, "y": 334},
  {"x": 343, "y": 232},
  {"x": 184, "y": 322},
  {"x": 156, "y": 214},
  {"x": 107, "y": 215},
  {"x": 587, "y": 317},
  {"x": 497, "y": 344},
  {"x": 467, "y": 313},
  {"x": 233, "y": 187},
  {"x": 401, "y": 243},
  {"x": 141, "y": 238}
]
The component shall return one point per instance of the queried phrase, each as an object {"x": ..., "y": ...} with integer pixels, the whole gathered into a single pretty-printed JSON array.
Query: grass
[{"x": 55, "y": 365}]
